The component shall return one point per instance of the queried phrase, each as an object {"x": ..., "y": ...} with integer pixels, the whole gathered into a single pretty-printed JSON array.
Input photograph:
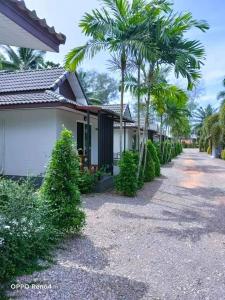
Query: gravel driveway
[{"x": 167, "y": 243}]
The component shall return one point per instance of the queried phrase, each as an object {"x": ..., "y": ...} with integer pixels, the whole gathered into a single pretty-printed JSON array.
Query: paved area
[{"x": 167, "y": 243}]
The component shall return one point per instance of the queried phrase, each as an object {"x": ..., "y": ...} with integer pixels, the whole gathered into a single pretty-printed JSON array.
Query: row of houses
[{"x": 35, "y": 105}]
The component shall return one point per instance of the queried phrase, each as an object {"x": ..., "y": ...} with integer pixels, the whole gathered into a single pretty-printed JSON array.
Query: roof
[
  {"x": 19, "y": 25},
  {"x": 33, "y": 98},
  {"x": 29, "y": 80},
  {"x": 115, "y": 107},
  {"x": 152, "y": 126},
  {"x": 38, "y": 87}
]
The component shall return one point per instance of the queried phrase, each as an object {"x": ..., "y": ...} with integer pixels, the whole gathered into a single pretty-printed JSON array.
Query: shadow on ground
[
  {"x": 201, "y": 224},
  {"x": 82, "y": 276},
  {"x": 144, "y": 196}
]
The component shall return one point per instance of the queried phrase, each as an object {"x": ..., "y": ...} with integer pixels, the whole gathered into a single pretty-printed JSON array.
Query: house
[
  {"x": 34, "y": 107},
  {"x": 130, "y": 130},
  {"x": 23, "y": 28}
]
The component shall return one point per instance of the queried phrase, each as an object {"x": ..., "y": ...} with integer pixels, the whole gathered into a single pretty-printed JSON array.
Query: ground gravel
[{"x": 166, "y": 243}]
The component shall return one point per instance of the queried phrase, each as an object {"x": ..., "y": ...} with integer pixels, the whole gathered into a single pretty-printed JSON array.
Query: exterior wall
[
  {"x": 130, "y": 132},
  {"x": 69, "y": 120},
  {"x": 27, "y": 137}
]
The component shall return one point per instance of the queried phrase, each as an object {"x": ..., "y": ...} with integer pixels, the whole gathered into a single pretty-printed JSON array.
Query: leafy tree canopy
[{"x": 100, "y": 88}]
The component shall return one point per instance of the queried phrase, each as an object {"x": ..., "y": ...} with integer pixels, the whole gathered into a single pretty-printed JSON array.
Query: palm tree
[
  {"x": 221, "y": 95},
  {"x": 200, "y": 115},
  {"x": 170, "y": 103},
  {"x": 21, "y": 59},
  {"x": 113, "y": 28}
]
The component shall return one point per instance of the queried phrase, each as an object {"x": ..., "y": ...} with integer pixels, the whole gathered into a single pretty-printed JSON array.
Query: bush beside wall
[{"x": 60, "y": 187}]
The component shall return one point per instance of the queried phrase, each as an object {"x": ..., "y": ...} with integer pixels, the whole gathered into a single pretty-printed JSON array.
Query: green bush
[
  {"x": 126, "y": 181},
  {"x": 60, "y": 187},
  {"x": 26, "y": 235},
  {"x": 223, "y": 154},
  {"x": 152, "y": 149},
  {"x": 140, "y": 182},
  {"x": 149, "y": 166},
  {"x": 86, "y": 182}
]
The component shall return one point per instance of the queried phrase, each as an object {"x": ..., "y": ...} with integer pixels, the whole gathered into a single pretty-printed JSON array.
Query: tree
[
  {"x": 21, "y": 59},
  {"x": 113, "y": 28},
  {"x": 200, "y": 115},
  {"x": 99, "y": 86},
  {"x": 60, "y": 187},
  {"x": 50, "y": 64},
  {"x": 221, "y": 95},
  {"x": 170, "y": 103}
]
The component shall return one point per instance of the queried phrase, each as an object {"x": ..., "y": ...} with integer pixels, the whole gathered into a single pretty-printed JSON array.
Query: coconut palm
[
  {"x": 113, "y": 28},
  {"x": 21, "y": 59},
  {"x": 221, "y": 95},
  {"x": 200, "y": 116}
]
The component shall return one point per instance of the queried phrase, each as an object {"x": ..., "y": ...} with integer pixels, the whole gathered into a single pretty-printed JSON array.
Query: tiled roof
[
  {"x": 33, "y": 98},
  {"x": 29, "y": 80},
  {"x": 115, "y": 107},
  {"x": 21, "y": 6}
]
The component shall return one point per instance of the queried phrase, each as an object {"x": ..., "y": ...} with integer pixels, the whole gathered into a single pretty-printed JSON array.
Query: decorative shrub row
[
  {"x": 168, "y": 150},
  {"x": 32, "y": 222},
  {"x": 127, "y": 182}
]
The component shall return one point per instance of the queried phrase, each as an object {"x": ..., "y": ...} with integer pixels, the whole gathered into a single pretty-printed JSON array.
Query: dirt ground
[{"x": 166, "y": 243}]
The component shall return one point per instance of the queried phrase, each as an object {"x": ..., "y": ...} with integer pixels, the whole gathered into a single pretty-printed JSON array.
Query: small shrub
[
  {"x": 126, "y": 181},
  {"x": 150, "y": 166},
  {"x": 86, "y": 182},
  {"x": 209, "y": 150},
  {"x": 26, "y": 235},
  {"x": 60, "y": 187},
  {"x": 152, "y": 149},
  {"x": 223, "y": 154}
]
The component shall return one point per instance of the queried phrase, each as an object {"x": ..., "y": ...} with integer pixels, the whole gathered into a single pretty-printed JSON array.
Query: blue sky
[{"x": 65, "y": 16}]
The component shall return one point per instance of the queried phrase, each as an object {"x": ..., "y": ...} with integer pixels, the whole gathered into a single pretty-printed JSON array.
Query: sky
[{"x": 65, "y": 16}]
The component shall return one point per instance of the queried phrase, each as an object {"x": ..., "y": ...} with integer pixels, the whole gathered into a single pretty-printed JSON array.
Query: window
[{"x": 82, "y": 138}]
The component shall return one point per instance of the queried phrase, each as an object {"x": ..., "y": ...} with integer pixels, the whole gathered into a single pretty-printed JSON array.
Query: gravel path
[{"x": 167, "y": 243}]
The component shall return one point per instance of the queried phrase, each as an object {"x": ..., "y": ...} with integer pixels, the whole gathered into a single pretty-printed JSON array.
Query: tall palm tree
[
  {"x": 113, "y": 28},
  {"x": 221, "y": 95},
  {"x": 170, "y": 103},
  {"x": 200, "y": 115},
  {"x": 21, "y": 59}
]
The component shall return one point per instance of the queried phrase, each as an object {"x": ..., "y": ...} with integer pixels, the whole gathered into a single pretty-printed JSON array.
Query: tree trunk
[
  {"x": 123, "y": 68},
  {"x": 161, "y": 121},
  {"x": 145, "y": 134},
  {"x": 139, "y": 125}
]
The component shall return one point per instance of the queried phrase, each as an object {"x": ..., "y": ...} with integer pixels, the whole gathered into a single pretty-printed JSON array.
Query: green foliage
[
  {"x": 26, "y": 235},
  {"x": 153, "y": 152},
  {"x": 223, "y": 154},
  {"x": 149, "y": 167},
  {"x": 60, "y": 187},
  {"x": 86, "y": 182},
  {"x": 98, "y": 86},
  {"x": 216, "y": 134},
  {"x": 169, "y": 151},
  {"x": 126, "y": 181}
]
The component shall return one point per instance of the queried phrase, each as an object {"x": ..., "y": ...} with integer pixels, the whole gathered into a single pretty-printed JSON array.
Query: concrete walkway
[{"x": 167, "y": 243}]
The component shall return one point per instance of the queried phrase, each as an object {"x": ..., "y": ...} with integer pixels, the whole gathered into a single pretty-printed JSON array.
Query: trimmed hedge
[
  {"x": 60, "y": 187},
  {"x": 126, "y": 182},
  {"x": 153, "y": 152}
]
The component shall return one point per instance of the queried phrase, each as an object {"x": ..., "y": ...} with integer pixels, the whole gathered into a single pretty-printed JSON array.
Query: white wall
[
  {"x": 27, "y": 137},
  {"x": 69, "y": 119},
  {"x": 130, "y": 132}
]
